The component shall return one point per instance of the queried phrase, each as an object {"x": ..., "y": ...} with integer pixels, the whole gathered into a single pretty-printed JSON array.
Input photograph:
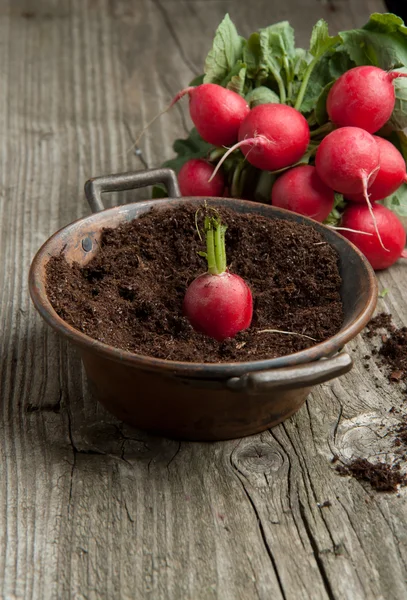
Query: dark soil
[
  {"x": 381, "y": 476},
  {"x": 130, "y": 295},
  {"x": 381, "y": 321},
  {"x": 392, "y": 354}
]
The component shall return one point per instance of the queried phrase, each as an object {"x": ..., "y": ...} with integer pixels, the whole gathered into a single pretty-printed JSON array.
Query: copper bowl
[{"x": 190, "y": 400}]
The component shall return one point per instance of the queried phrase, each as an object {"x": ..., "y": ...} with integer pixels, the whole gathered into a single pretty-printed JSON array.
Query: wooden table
[{"x": 90, "y": 508}]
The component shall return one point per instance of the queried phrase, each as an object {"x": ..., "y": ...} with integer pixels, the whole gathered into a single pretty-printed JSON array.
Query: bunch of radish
[{"x": 308, "y": 167}]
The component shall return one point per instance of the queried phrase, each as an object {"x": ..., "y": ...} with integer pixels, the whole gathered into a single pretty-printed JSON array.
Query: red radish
[
  {"x": 215, "y": 111},
  {"x": 302, "y": 191},
  {"x": 218, "y": 304},
  {"x": 362, "y": 97},
  {"x": 390, "y": 176},
  {"x": 391, "y": 230},
  {"x": 272, "y": 136},
  {"x": 347, "y": 160},
  {"x": 193, "y": 179}
]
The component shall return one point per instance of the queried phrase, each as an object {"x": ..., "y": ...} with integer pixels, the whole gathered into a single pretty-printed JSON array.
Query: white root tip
[
  {"x": 180, "y": 95},
  {"x": 347, "y": 229},
  {"x": 365, "y": 181},
  {"x": 286, "y": 333},
  {"x": 253, "y": 141}
]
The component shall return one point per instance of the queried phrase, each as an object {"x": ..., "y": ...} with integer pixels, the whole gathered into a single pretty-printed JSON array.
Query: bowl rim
[{"x": 194, "y": 369}]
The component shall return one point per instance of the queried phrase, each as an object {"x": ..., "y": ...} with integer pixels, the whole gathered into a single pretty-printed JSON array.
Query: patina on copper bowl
[{"x": 189, "y": 400}]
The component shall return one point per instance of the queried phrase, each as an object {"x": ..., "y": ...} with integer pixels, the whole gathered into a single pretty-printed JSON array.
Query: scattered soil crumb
[
  {"x": 381, "y": 476},
  {"x": 394, "y": 353},
  {"x": 401, "y": 431},
  {"x": 381, "y": 321}
]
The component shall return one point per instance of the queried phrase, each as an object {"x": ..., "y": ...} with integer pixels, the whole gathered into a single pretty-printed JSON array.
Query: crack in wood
[
  {"x": 175, "y": 37},
  {"x": 316, "y": 552},
  {"x": 261, "y": 527}
]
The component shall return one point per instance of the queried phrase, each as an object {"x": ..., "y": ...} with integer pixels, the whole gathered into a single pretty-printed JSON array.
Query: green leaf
[
  {"x": 321, "y": 113},
  {"x": 237, "y": 82},
  {"x": 261, "y": 95},
  {"x": 159, "y": 191},
  {"x": 385, "y": 23},
  {"x": 381, "y": 42},
  {"x": 197, "y": 80},
  {"x": 274, "y": 58},
  {"x": 280, "y": 38},
  {"x": 254, "y": 59},
  {"x": 383, "y": 293},
  {"x": 226, "y": 50},
  {"x": 339, "y": 63},
  {"x": 320, "y": 77},
  {"x": 262, "y": 191},
  {"x": 402, "y": 143},
  {"x": 235, "y": 72},
  {"x": 397, "y": 202},
  {"x": 321, "y": 41},
  {"x": 317, "y": 74},
  {"x": 302, "y": 59},
  {"x": 398, "y": 119},
  {"x": 191, "y": 147},
  {"x": 335, "y": 216}
]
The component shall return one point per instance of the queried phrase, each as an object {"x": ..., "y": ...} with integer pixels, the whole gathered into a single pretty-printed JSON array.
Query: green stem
[
  {"x": 236, "y": 187},
  {"x": 216, "y": 154},
  {"x": 304, "y": 83},
  {"x": 327, "y": 128},
  {"x": 280, "y": 83},
  {"x": 289, "y": 78},
  {"x": 210, "y": 249},
  {"x": 215, "y": 245}
]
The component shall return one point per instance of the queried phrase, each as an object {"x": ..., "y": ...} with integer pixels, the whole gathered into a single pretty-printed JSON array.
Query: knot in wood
[{"x": 259, "y": 458}]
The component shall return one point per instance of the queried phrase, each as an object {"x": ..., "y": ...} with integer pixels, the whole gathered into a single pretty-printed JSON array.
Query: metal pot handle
[
  {"x": 292, "y": 377},
  {"x": 95, "y": 187}
]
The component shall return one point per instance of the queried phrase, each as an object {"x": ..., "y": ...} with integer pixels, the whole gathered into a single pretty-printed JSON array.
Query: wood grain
[{"x": 89, "y": 508}]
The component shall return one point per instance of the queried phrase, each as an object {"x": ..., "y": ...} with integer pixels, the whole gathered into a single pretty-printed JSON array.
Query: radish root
[
  {"x": 286, "y": 333},
  {"x": 347, "y": 229},
  {"x": 365, "y": 181},
  {"x": 404, "y": 253},
  {"x": 180, "y": 95},
  {"x": 254, "y": 141}
]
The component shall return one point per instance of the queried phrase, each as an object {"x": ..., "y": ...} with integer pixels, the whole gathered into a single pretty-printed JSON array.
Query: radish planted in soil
[
  {"x": 362, "y": 97},
  {"x": 218, "y": 304},
  {"x": 272, "y": 137},
  {"x": 391, "y": 230}
]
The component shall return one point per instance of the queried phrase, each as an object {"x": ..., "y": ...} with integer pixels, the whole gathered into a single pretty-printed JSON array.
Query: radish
[
  {"x": 272, "y": 136},
  {"x": 362, "y": 97},
  {"x": 392, "y": 233},
  {"x": 347, "y": 160},
  {"x": 390, "y": 176},
  {"x": 302, "y": 191},
  {"x": 215, "y": 111},
  {"x": 218, "y": 304},
  {"x": 193, "y": 179}
]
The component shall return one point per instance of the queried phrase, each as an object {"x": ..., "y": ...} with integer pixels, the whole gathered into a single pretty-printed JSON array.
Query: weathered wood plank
[{"x": 89, "y": 507}]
